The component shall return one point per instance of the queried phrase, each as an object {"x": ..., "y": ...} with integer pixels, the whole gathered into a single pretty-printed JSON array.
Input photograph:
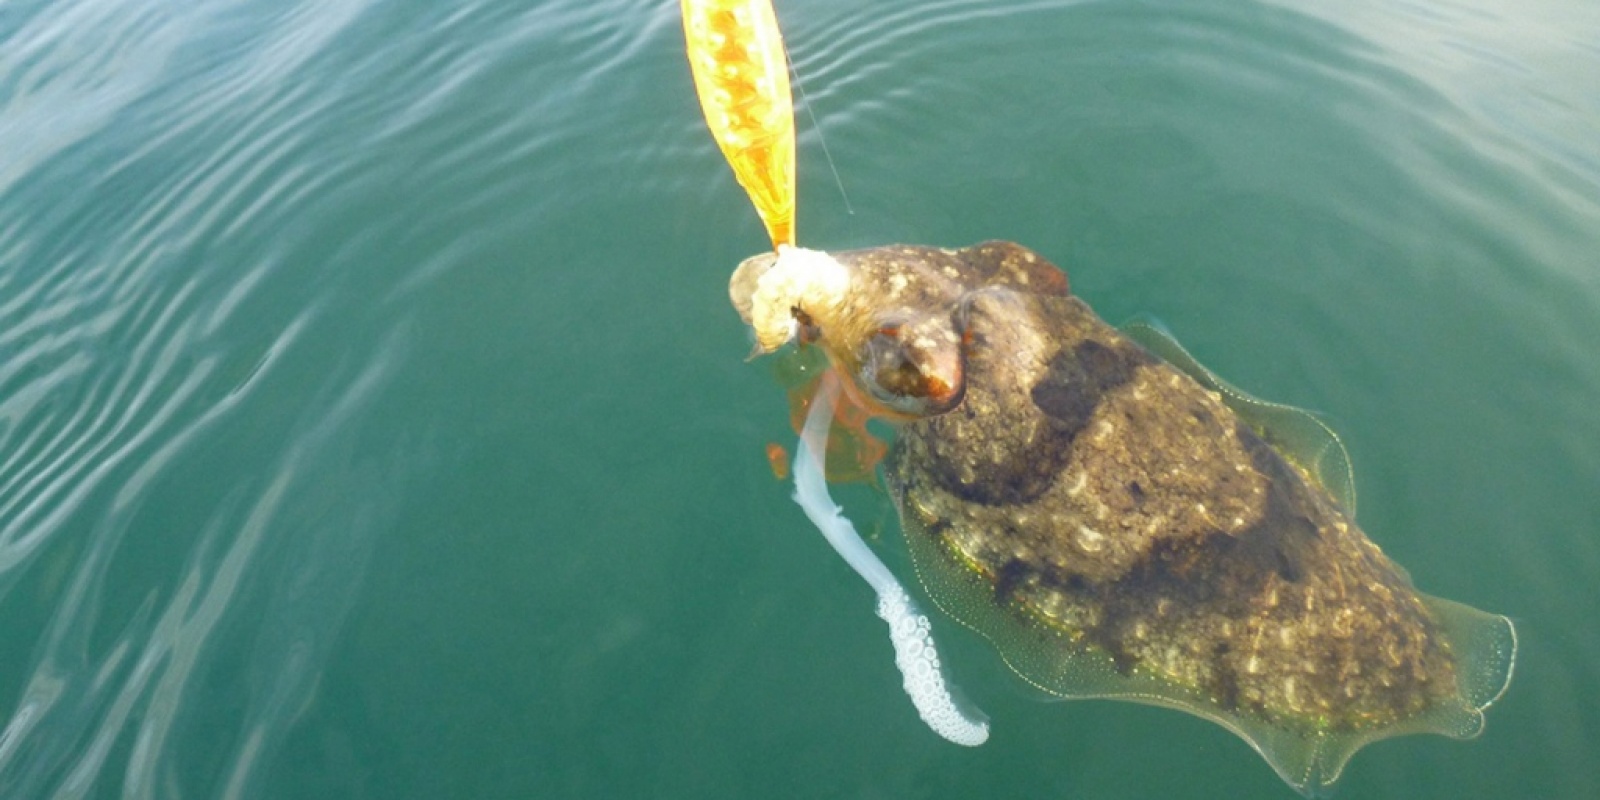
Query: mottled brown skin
[
  {"x": 1112, "y": 499},
  {"x": 895, "y": 332}
]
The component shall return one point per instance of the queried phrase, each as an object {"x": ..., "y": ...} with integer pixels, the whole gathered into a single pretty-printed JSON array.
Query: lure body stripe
[{"x": 742, "y": 78}]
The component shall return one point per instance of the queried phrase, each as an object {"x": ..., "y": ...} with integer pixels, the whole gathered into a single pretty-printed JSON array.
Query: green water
[{"x": 373, "y": 422}]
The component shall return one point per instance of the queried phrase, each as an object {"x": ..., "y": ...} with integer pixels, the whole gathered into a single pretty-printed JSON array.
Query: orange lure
[{"x": 742, "y": 77}]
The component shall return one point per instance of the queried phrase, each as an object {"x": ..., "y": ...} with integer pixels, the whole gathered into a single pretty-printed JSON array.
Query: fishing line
[{"x": 794, "y": 69}]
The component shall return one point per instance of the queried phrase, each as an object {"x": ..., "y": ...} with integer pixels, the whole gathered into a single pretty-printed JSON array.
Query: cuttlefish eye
[
  {"x": 914, "y": 367},
  {"x": 806, "y": 330}
]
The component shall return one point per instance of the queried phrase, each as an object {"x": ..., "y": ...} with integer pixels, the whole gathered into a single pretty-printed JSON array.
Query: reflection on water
[
  {"x": 372, "y": 422},
  {"x": 162, "y": 475}
]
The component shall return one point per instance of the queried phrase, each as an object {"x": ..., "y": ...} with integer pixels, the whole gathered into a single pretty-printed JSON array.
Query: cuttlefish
[{"x": 1118, "y": 521}]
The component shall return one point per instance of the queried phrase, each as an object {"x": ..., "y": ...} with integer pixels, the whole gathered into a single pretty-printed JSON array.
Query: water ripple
[
  {"x": 220, "y": 223},
  {"x": 137, "y": 326},
  {"x": 67, "y": 70}
]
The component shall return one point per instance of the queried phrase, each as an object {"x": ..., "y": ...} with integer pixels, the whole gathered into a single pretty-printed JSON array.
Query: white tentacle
[{"x": 909, "y": 629}]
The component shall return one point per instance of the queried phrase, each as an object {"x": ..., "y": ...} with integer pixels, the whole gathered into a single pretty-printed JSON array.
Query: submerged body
[
  {"x": 1111, "y": 498},
  {"x": 1114, "y": 524}
]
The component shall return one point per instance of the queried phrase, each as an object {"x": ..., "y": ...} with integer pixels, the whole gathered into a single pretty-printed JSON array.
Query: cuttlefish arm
[{"x": 909, "y": 629}]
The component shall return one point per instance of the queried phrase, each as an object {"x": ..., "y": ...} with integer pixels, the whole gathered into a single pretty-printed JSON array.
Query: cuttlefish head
[{"x": 886, "y": 317}]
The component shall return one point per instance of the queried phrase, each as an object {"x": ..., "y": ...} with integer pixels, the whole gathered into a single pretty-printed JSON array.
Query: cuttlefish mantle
[{"x": 1118, "y": 521}]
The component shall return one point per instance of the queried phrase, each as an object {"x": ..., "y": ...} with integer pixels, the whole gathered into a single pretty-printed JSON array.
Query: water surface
[{"x": 373, "y": 422}]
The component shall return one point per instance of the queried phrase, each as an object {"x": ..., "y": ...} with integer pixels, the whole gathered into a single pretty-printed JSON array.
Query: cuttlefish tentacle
[
  {"x": 853, "y": 451},
  {"x": 909, "y": 629}
]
